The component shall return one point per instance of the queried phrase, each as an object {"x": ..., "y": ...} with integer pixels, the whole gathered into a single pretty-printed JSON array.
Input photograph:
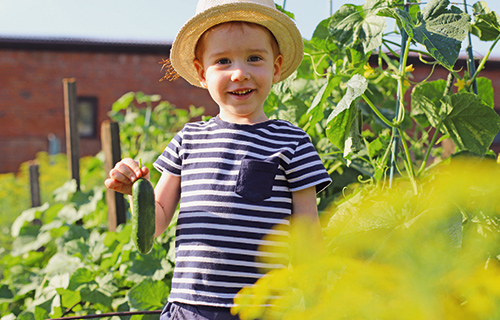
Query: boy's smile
[{"x": 238, "y": 65}]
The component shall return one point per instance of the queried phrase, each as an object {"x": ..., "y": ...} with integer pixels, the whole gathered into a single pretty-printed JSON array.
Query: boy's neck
[{"x": 242, "y": 119}]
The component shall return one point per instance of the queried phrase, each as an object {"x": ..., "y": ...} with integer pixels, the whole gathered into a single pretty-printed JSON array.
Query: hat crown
[{"x": 207, "y": 4}]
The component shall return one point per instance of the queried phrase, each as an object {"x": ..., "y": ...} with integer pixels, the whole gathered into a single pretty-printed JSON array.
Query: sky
[{"x": 147, "y": 20}]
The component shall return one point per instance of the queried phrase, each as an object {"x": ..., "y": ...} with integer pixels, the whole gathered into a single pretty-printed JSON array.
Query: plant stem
[
  {"x": 395, "y": 130},
  {"x": 427, "y": 154},
  {"x": 401, "y": 108},
  {"x": 483, "y": 62},
  {"x": 470, "y": 54},
  {"x": 377, "y": 112},
  {"x": 386, "y": 42},
  {"x": 411, "y": 172}
]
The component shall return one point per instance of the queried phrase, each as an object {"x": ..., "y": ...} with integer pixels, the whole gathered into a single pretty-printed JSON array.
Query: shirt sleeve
[
  {"x": 170, "y": 160},
  {"x": 306, "y": 168}
]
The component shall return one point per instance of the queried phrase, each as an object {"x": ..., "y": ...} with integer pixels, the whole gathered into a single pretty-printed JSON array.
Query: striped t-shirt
[{"x": 236, "y": 190}]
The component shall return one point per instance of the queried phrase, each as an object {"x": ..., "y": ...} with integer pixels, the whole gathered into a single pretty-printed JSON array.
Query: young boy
[{"x": 240, "y": 177}]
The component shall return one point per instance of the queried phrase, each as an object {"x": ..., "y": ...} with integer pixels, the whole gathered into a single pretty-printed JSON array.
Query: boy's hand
[{"x": 123, "y": 175}]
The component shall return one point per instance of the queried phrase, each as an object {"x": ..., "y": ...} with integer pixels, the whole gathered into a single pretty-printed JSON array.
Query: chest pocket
[{"x": 255, "y": 179}]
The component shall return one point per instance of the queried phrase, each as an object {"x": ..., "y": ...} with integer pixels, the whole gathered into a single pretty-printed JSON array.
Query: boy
[{"x": 239, "y": 176}]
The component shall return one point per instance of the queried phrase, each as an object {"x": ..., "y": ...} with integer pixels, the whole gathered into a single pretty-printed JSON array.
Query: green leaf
[
  {"x": 339, "y": 128},
  {"x": 123, "y": 102},
  {"x": 69, "y": 214},
  {"x": 356, "y": 86},
  {"x": 353, "y": 142},
  {"x": 470, "y": 123},
  {"x": 288, "y": 13},
  {"x": 148, "y": 295},
  {"x": 42, "y": 311},
  {"x": 77, "y": 248},
  {"x": 81, "y": 277},
  {"x": 68, "y": 297},
  {"x": 426, "y": 100},
  {"x": 30, "y": 240},
  {"x": 317, "y": 107},
  {"x": 375, "y": 147},
  {"x": 96, "y": 296},
  {"x": 485, "y": 91},
  {"x": 340, "y": 120},
  {"x": 434, "y": 8},
  {"x": 487, "y": 23},
  {"x": 321, "y": 39},
  {"x": 62, "y": 263},
  {"x": 6, "y": 294},
  {"x": 355, "y": 25},
  {"x": 66, "y": 191},
  {"x": 26, "y": 315},
  {"x": 441, "y": 31},
  {"x": 25, "y": 217}
]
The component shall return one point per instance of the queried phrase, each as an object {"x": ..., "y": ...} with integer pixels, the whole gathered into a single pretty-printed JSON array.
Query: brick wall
[{"x": 31, "y": 90}]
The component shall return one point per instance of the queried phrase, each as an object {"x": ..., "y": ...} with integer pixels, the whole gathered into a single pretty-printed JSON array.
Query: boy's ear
[
  {"x": 201, "y": 73},
  {"x": 278, "y": 62}
]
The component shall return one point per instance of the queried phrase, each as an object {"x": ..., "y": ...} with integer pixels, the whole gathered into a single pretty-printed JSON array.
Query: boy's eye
[
  {"x": 223, "y": 61},
  {"x": 254, "y": 59}
]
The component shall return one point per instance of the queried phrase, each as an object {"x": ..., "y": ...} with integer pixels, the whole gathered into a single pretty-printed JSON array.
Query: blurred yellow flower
[
  {"x": 368, "y": 70},
  {"x": 409, "y": 68},
  {"x": 393, "y": 252},
  {"x": 460, "y": 84}
]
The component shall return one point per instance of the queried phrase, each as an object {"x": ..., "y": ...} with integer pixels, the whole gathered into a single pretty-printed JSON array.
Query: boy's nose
[{"x": 239, "y": 73}]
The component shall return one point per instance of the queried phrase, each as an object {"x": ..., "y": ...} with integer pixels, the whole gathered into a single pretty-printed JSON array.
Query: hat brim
[{"x": 182, "y": 53}]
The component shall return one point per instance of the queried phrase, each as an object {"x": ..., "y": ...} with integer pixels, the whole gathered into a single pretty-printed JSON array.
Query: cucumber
[{"x": 143, "y": 217}]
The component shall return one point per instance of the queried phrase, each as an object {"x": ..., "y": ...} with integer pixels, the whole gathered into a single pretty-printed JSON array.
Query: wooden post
[
  {"x": 72, "y": 135},
  {"x": 35, "y": 185},
  {"x": 110, "y": 140}
]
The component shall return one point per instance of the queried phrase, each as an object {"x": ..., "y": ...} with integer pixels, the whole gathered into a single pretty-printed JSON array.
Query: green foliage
[
  {"x": 59, "y": 259},
  {"x": 361, "y": 109},
  {"x": 440, "y": 30},
  {"x": 147, "y": 124},
  {"x": 15, "y": 189}
]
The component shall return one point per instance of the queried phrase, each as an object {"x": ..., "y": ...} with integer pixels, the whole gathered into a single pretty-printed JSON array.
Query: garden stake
[
  {"x": 470, "y": 61},
  {"x": 395, "y": 131}
]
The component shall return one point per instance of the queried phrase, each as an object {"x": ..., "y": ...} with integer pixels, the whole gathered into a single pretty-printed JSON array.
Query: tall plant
[{"x": 353, "y": 87}]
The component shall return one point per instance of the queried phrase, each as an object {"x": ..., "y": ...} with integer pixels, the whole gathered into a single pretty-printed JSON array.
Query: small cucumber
[{"x": 143, "y": 217}]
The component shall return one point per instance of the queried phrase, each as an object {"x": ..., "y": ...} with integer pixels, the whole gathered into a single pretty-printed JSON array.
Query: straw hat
[{"x": 213, "y": 12}]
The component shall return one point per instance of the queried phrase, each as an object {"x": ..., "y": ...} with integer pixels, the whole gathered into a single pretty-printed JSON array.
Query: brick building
[{"x": 31, "y": 88}]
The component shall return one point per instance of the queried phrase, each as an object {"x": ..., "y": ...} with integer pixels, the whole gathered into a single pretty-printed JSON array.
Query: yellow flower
[
  {"x": 460, "y": 84},
  {"x": 368, "y": 70},
  {"x": 409, "y": 68}
]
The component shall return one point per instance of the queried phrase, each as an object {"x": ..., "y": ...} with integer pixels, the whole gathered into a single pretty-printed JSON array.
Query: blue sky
[{"x": 146, "y": 20}]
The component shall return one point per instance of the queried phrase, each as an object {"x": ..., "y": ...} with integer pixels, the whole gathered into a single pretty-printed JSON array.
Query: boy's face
[{"x": 238, "y": 66}]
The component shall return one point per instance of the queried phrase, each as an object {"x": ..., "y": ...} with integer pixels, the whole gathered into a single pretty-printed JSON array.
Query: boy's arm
[
  {"x": 167, "y": 195},
  {"x": 305, "y": 211}
]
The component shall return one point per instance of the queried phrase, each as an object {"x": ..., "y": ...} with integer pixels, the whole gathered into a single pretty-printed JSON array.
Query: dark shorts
[{"x": 181, "y": 311}]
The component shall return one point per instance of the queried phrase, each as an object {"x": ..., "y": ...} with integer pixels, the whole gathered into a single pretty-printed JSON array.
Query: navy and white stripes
[{"x": 236, "y": 202}]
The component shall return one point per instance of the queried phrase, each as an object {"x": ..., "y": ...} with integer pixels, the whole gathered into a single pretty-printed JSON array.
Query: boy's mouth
[{"x": 241, "y": 92}]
